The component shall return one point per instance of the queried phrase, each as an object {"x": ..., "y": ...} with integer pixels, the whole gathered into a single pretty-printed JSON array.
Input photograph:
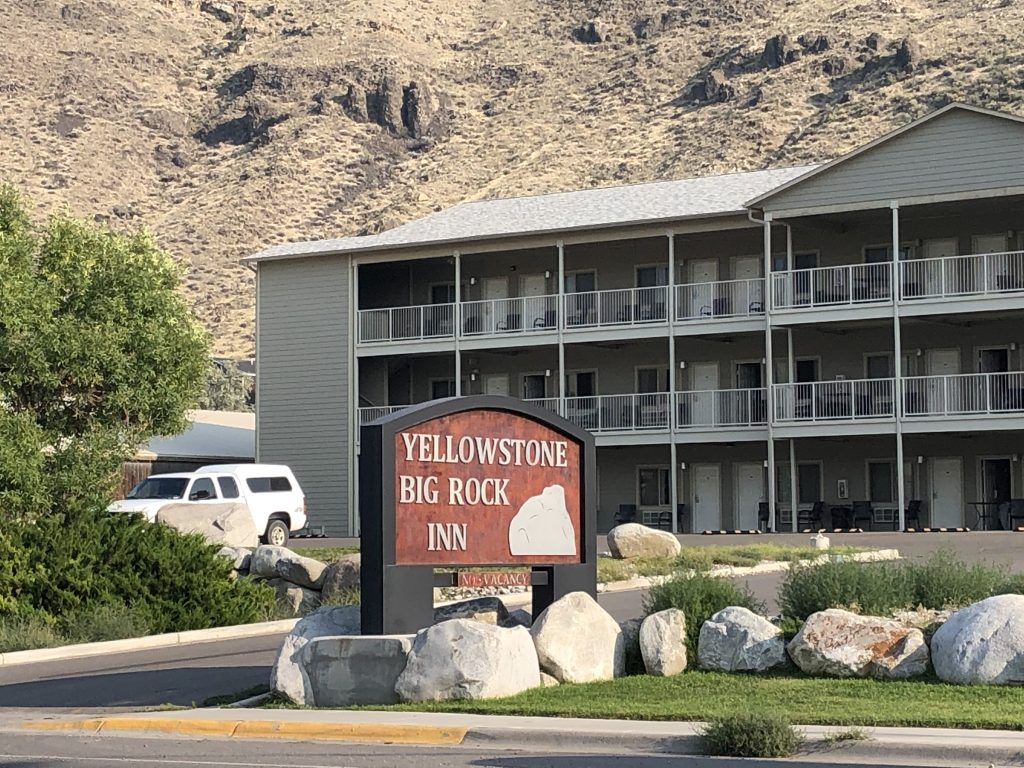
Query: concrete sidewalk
[{"x": 932, "y": 746}]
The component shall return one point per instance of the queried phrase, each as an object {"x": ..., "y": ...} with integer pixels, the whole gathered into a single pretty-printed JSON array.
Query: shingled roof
[{"x": 562, "y": 212}]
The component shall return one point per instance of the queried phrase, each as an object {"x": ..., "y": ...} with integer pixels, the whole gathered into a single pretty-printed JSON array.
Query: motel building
[{"x": 834, "y": 345}]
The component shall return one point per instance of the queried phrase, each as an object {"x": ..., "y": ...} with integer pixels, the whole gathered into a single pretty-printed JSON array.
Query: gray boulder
[
  {"x": 229, "y": 525},
  {"x": 303, "y": 571},
  {"x": 631, "y": 540},
  {"x": 663, "y": 642},
  {"x": 738, "y": 640},
  {"x": 239, "y": 557},
  {"x": 341, "y": 578},
  {"x": 465, "y": 659},
  {"x": 843, "y": 644},
  {"x": 578, "y": 641},
  {"x": 520, "y": 617},
  {"x": 982, "y": 643},
  {"x": 489, "y": 610},
  {"x": 264, "y": 561},
  {"x": 288, "y": 675},
  {"x": 343, "y": 671}
]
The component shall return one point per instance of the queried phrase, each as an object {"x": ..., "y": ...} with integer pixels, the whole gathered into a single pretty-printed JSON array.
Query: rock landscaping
[
  {"x": 663, "y": 642},
  {"x": 578, "y": 641},
  {"x": 738, "y": 640},
  {"x": 632, "y": 540},
  {"x": 982, "y": 643},
  {"x": 229, "y": 525}
]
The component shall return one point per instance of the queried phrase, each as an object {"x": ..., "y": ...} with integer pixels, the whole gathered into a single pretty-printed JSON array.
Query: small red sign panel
[
  {"x": 493, "y": 579},
  {"x": 486, "y": 487}
]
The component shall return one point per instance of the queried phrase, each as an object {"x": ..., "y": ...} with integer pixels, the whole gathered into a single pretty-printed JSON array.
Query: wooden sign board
[{"x": 474, "y": 481}]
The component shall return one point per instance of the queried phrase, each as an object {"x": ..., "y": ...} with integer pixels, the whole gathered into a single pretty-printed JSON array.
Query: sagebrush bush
[
  {"x": 942, "y": 581},
  {"x": 106, "y": 622},
  {"x": 699, "y": 597},
  {"x": 23, "y": 633},
  {"x": 751, "y": 735}
]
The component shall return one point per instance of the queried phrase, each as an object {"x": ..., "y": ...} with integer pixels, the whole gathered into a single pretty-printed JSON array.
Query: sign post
[{"x": 469, "y": 482}]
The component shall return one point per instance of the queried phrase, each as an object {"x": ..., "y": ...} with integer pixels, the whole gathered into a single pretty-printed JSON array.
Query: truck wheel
[{"x": 277, "y": 533}]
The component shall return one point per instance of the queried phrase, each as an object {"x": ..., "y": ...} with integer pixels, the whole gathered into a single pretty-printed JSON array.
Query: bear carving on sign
[{"x": 542, "y": 526}]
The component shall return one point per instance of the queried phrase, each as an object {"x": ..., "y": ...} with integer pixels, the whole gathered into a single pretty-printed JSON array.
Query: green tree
[
  {"x": 98, "y": 352},
  {"x": 226, "y": 389}
]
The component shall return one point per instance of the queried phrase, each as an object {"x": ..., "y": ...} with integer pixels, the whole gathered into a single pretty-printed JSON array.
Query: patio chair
[
  {"x": 626, "y": 514},
  {"x": 665, "y": 521},
  {"x": 813, "y": 517},
  {"x": 912, "y": 514},
  {"x": 862, "y": 512},
  {"x": 680, "y": 517},
  {"x": 763, "y": 517},
  {"x": 1016, "y": 513}
]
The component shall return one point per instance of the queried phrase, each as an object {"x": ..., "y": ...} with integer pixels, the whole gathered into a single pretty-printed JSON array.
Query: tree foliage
[
  {"x": 226, "y": 389},
  {"x": 98, "y": 352}
]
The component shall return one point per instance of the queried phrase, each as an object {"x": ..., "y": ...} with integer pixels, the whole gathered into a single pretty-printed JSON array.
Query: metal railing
[
  {"x": 619, "y": 413},
  {"x": 722, "y": 408},
  {"x": 963, "y": 394},
  {"x": 841, "y": 400},
  {"x": 428, "y": 321},
  {"x": 849, "y": 284},
  {"x": 548, "y": 403},
  {"x": 723, "y": 298},
  {"x": 503, "y": 316},
  {"x": 622, "y": 306},
  {"x": 372, "y": 413},
  {"x": 950, "y": 276}
]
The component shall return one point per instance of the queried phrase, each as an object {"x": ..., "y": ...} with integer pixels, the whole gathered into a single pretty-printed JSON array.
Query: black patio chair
[
  {"x": 665, "y": 521},
  {"x": 1016, "y": 513},
  {"x": 812, "y": 518},
  {"x": 626, "y": 514},
  {"x": 912, "y": 514},
  {"x": 862, "y": 512},
  {"x": 680, "y": 517},
  {"x": 763, "y": 518}
]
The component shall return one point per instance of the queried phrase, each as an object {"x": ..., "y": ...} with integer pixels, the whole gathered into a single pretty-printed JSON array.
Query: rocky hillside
[{"x": 227, "y": 126}]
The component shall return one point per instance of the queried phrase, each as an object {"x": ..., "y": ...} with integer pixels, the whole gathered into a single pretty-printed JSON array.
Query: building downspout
[
  {"x": 457, "y": 323},
  {"x": 673, "y": 450},
  {"x": 897, "y": 363},
  {"x": 766, "y": 223},
  {"x": 561, "y": 327}
]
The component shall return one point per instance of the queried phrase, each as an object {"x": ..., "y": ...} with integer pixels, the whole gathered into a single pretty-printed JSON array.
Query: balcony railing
[
  {"x": 430, "y": 321},
  {"x": 503, "y": 316},
  {"x": 623, "y": 306},
  {"x": 721, "y": 408},
  {"x": 963, "y": 394},
  {"x": 842, "y": 400},
  {"x": 619, "y": 413},
  {"x": 952, "y": 276},
  {"x": 548, "y": 403},
  {"x": 846, "y": 285},
  {"x": 372, "y": 413},
  {"x": 724, "y": 298}
]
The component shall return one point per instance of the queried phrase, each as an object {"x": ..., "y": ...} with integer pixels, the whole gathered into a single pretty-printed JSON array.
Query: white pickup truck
[{"x": 270, "y": 491}]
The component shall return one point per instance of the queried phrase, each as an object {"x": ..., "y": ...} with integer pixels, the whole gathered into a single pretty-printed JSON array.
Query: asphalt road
[{"x": 75, "y": 751}]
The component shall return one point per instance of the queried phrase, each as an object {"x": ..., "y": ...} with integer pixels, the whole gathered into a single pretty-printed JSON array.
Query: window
[
  {"x": 651, "y": 380},
  {"x": 441, "y": 388},
  {"x": 228, "y": 487},
  {"x": 159, "y": 488},
  {"x": 748, "y": 375},
  {"x": 580, "y": 282},
  {"x": 880, "y": 254},
  {"x": 806, "y": 370},
  {"x": 800, "y": 261},
  {"x": 649, "y": 277},
  {"x": 881, "y": 481},
  {"x": 653, "y": 487},
  {"x": 581, "y": 384},
  {"x": 268, "y": 484},
  {"x": 534, "y": 386},
  {"x": 202, "y": 488},
  {"x": 808, "y": 483},
  {"x": 878, "y": 367},
  {"x": 442, "y": 294}
]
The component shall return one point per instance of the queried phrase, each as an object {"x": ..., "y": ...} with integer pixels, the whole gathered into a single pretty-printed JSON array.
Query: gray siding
[
  {"x": 958, "y": 152},
  {"x": 303, "y": 383}
]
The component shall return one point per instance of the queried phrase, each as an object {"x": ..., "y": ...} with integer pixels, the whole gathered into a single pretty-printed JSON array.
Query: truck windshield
[{"x": 159, "y": 488}]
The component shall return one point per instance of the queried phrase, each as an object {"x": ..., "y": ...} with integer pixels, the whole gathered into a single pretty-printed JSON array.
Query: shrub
[
  {"x": 22, "y": 633},
  {"x": 699, "y": 597},
  {"x": 106, "y": 622},
  {"x": 751, "y": 735},
  {"x": 946, "y": 581}
]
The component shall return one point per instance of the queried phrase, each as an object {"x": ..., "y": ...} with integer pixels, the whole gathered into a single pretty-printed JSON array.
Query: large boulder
[
  {"x": 631, "y": 540},
  {"x": 264, "y": 561},
  {"x": 465, "y": 659},
  {"x": 288, "y": 676},
  {"x": 842, "y": 644},
  {"x": 341, "y": 577},
  {"x": 738, "y": 640},
  {"x": 343, "y": 671},
  {"x": 983, "y": 643},
  {"x": 302, "y": 571},
  {"x": 578, "y": 641},
  {"x": 229, "y": 525},
  {"x": 239, "y": 557},
  {"x": 663, "y": 642},
  {"x": 489, "y": 610}
]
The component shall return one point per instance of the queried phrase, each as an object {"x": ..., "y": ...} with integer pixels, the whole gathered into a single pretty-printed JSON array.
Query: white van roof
[{"x": 247, "y": 470}]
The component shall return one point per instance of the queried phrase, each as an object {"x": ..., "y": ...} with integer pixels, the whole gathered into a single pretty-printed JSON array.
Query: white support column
[
  {"x": 789, "y": 247},
  {"x": 897, "y": 361},
  {"x": 672, "y": 379},
  {"x": 457, "y": 324},
  {"x": 561, "y": 327},
  {"x": 791, "y": 378},
  {"x": 769, "y": 374},
  {"x": 794, "y": 497}
]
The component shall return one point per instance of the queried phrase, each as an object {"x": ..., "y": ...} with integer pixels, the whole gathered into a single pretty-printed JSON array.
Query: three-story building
[{"x": 832, "y": 344}]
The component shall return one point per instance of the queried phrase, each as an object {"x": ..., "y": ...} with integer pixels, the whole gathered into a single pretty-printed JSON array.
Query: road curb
[{"x": 64, "y": 652}]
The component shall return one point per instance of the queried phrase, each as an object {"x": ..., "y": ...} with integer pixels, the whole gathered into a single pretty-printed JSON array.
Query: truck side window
[
  {"x": 268, "y": 484},
  {"x": 202, "y": 488},
  {"x": 228, "y": 487}
]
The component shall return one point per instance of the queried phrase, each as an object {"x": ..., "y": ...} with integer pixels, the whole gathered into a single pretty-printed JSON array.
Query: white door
[
  {"x": 707, "y": 497},
  {"x": 749, "y": 493},
  {"x": 531, "y": 289},
  {"x": 747, "y": 297},
  {"x": 496, "y": 384},
  {"x": 494, "y": 313},
  {"x": 700, "y": 404},
  {"x": 947, "y": 507},
  {"x": 989, "y": 243},
  {"x": 698, "y": 298},
  {"x": 944, "y": 395},
  {"x": 925, "y": 278}
]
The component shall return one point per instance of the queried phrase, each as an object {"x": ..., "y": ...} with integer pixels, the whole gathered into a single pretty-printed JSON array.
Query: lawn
[{"x": 805, "y": 700}]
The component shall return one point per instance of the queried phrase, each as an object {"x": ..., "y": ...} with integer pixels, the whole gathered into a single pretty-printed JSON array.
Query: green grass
[
  {"x": 231, "y": 698},
  {"x": 804, "y": 700},
  {"x": 327, "y": 554},
  {"x": 746, "y": 555}
]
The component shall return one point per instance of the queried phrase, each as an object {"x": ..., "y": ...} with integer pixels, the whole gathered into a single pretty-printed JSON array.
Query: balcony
[
  {"x": 372, "y": 413},
  {"x": 419, "y": 323},
  {"x": 502, "y": 317},
  {"x": 964, "y": 395},
  {"x": 616, "y": 308},
  {"x": 619, "y": 413},
  {"x": 973, "y": 276},
  {"x": 834, "y": 401},
  {"x": 844, "y": 286},
  {"x": 721, "y": 299},
  {"x": 711, "y": 409}
]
